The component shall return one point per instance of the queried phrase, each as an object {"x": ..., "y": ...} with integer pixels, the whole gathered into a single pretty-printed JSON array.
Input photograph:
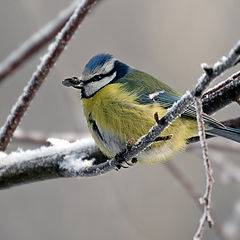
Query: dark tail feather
[{"x": 230, "y": 133}]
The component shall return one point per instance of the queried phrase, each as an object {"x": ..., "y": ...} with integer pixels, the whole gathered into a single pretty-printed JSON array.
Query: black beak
[{"x": 72, "y": 82}]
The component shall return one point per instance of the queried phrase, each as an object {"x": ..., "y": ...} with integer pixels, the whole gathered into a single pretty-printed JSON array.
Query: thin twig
[
  {"x": 221, "y": 85},
  {"x": 34, "y": 43},
  {"x": 219, "y": 67},
  {"x": 190, "y": 189},
  {"x": 100, "y": 167},
  {"x": 206, "y": 199},
  {"x": 38, "y": 138},
  {"x": 179, "y": 107},
  {"x": 43, "y": 69}
]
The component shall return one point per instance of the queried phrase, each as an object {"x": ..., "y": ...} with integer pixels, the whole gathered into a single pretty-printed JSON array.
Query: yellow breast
[{"x": 119, "y": 117}]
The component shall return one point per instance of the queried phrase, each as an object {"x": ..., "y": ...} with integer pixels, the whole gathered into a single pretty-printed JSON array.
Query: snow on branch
[
  {"x": 35, "y": 42},
  {"x": 47, "y": 62},
  {"x": 62, "y": 159},
  {"x": 179, "y": 107},
  {"x": 82, "y": 158},
  {"x": 57, "y": 164}
]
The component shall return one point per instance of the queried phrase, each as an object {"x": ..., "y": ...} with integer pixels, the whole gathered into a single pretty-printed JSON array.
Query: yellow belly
[{"x": 120, "y": 117}]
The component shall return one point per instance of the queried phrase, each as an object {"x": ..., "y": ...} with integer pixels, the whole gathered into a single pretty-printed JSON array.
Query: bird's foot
[{"x": 120, "y": 158}]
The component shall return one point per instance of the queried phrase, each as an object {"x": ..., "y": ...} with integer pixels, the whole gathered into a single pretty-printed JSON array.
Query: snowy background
[{"x": 168, "y": 39}]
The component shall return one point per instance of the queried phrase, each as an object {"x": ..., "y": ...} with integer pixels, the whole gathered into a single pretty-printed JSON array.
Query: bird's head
[{"x": 100, "y": 71}]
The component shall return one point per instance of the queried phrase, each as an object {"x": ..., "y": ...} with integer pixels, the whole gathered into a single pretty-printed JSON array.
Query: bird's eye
[{"x": 97, "y": 77}]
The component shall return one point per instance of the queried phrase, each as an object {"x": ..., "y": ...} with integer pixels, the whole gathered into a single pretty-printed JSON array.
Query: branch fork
[{"x": 85, "y": 161}]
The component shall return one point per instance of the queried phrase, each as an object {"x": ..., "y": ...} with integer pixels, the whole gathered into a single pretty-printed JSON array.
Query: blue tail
[{"x": 227, "y": 132}]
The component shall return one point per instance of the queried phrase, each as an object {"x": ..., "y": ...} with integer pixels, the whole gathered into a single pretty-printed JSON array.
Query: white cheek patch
[{"x": 93, "y": 87}]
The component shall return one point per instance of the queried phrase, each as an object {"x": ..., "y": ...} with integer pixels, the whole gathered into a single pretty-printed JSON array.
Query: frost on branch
[
  {"x": 47, "y": 62},
  {"x": 62, "y": 159},
  {"x": 35, "y": 42}
]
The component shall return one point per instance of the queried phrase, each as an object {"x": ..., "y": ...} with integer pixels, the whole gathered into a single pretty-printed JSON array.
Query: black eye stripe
[{"x": 99, "y": 77}]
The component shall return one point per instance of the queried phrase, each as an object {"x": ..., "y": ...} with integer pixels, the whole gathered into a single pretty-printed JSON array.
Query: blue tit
[{"x": 119, "y": 103}]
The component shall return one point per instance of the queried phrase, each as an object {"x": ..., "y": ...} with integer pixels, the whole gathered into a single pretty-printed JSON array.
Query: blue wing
[
  {"x": 166, "y": 100},
  {"x": 150, "y": 90}
]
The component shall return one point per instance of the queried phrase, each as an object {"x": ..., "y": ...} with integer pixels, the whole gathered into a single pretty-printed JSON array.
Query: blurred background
[{"x": 168, "y": 39}]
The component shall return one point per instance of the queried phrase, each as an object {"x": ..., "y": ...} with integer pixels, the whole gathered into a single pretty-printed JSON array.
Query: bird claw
[
  {"x": 129, "y": 163},
  {"x": 134, "y": 160},
  {"x": 121, "y": 162},
  {"x": 120, "y": 165}
]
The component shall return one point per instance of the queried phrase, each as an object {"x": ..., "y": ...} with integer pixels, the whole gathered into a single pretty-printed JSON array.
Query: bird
[{"x": 120, "y": 102}]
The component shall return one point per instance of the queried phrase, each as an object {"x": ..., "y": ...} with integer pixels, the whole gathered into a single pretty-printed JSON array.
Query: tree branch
[
  {"x": 190, "y": 189},
  {"x": 229, "y": 90},
  {"x": 62, "y": 159},
  {"x": 179, "y": 107},
  {"x": 34, "y": 43},
  {"x": 235, "y": 123},
  {"x": 222, "y": 95},
  {"x": 83, "y": 158},
  {"x": 47, "y": 62},
  {"x": 206, "y": 199}
]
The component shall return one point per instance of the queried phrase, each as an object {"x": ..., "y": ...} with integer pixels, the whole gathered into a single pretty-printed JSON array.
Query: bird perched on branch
[{"x": 120, "y": 102}]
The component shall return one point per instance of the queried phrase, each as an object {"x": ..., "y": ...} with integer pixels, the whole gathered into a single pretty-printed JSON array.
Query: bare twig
[
  {"x": 43, "y": 69},
  {"x": 100, "y": 167},
  {"x": 35, "y": 43},
  {"x": 179, "y": 107},
  {"x": 206, "y": 199},
  {"x": 190, "y": 189},
  {"x": 38, "y": 138}
]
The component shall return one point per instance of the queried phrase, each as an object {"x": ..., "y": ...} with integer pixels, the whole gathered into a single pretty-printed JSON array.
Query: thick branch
[
  {"x": 234, "y": 123},
  {"x": 43, "y": 69},
  {"x": 178, "y": 108},
  {"x": 61, "y": 161},
  {"x": 52, "y": 162},
  {"x": 35, "y": 43},
  {"x": 212, "y": 101},
  {"x": 223, "y": 96}
]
